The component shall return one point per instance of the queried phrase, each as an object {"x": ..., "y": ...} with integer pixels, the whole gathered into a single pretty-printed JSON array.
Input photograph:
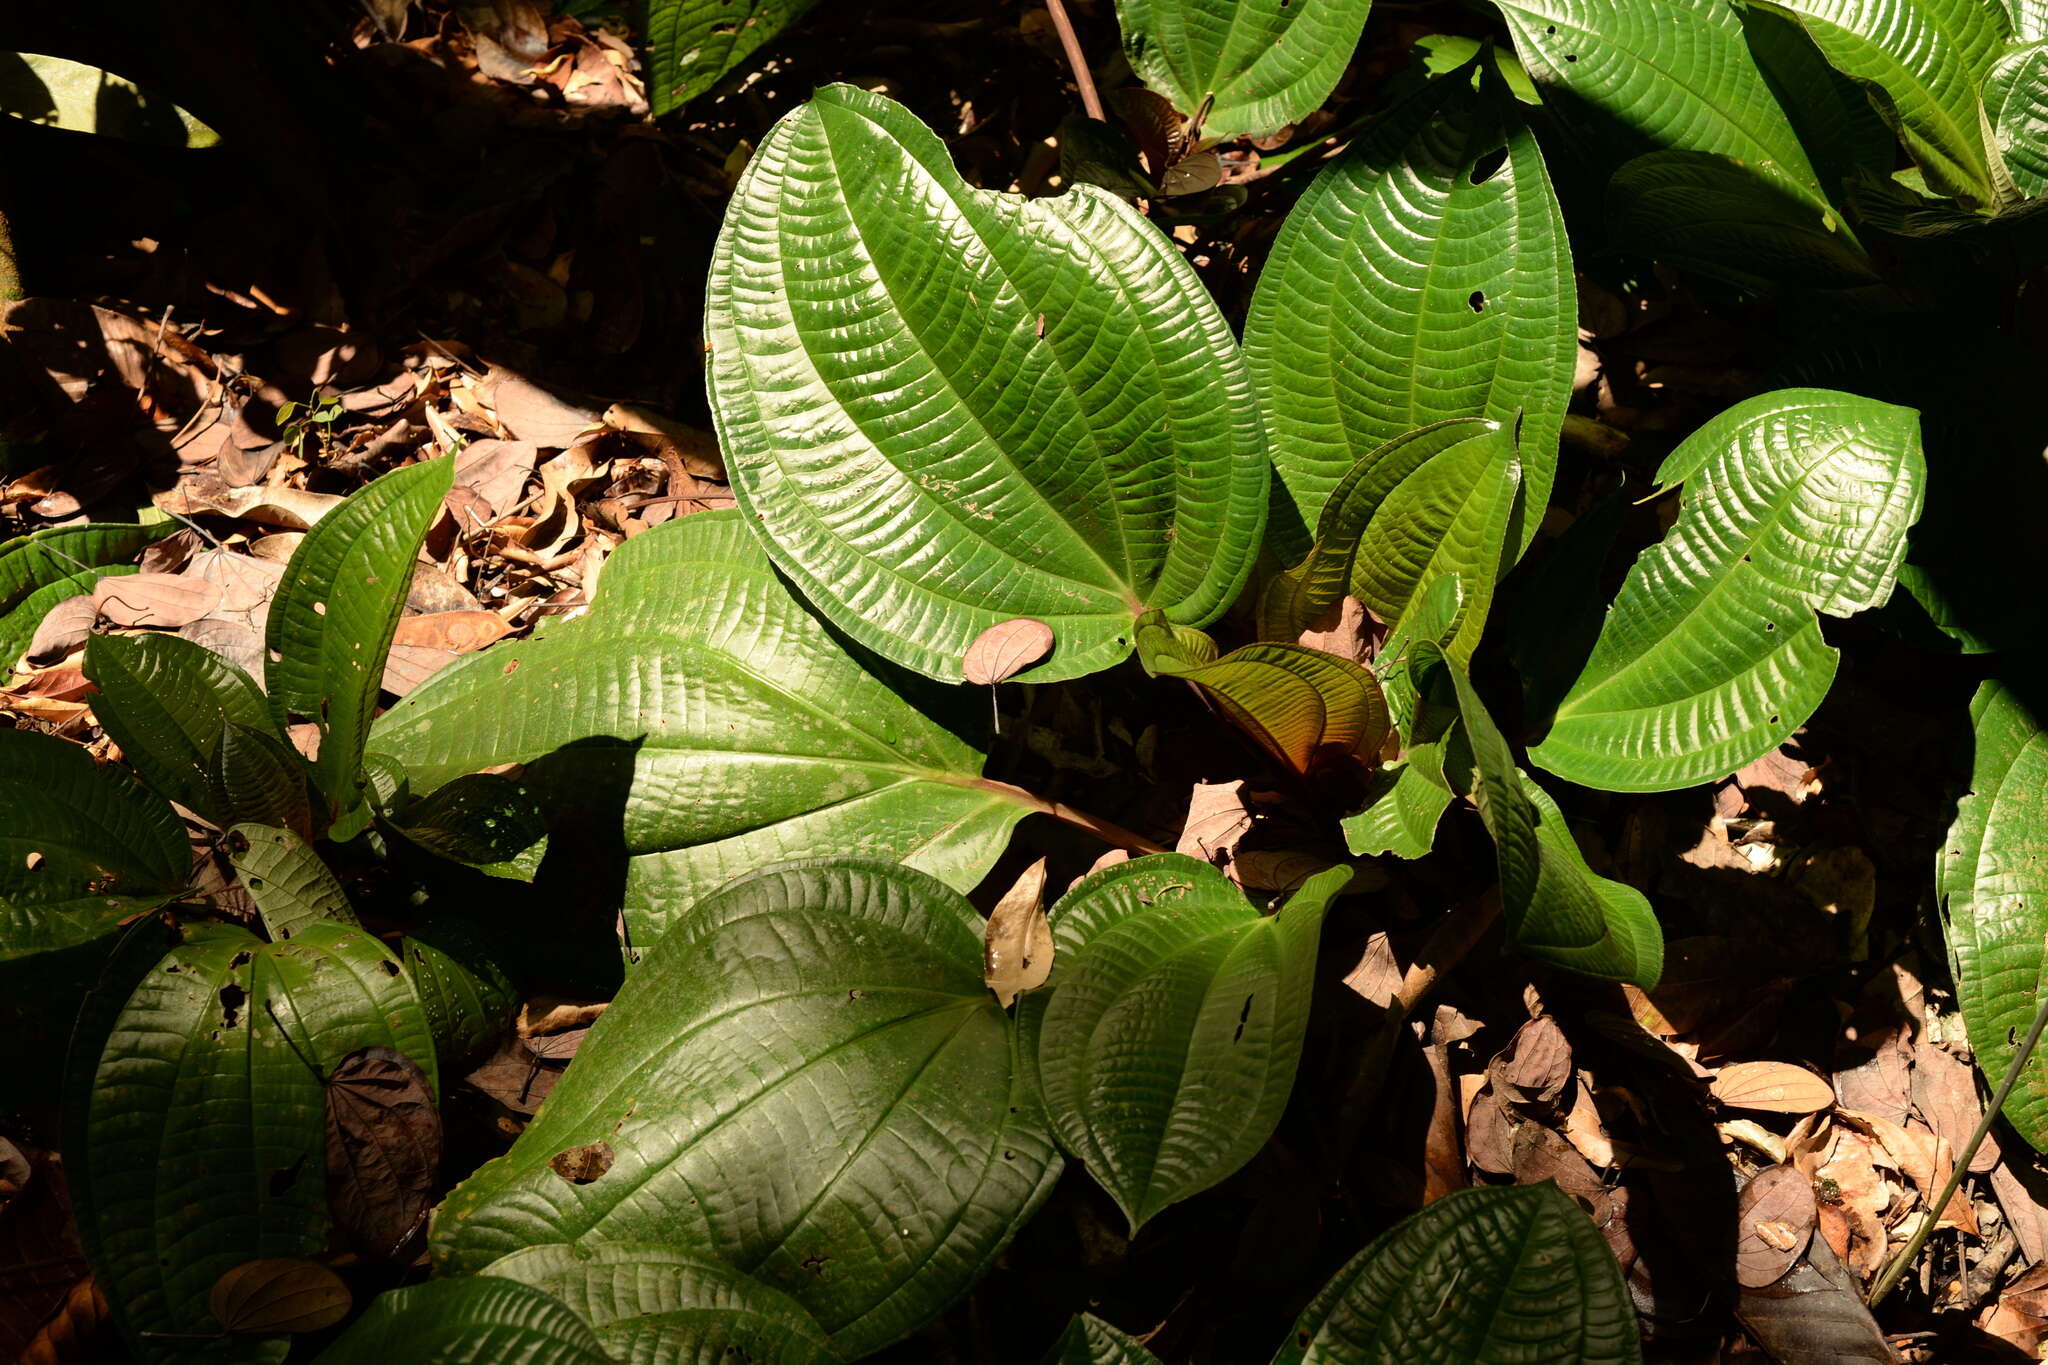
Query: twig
[
  {"x": 1080, "y": 819},
  {"x": 1090, "y": 101},
  {"x": 1897, "y": 1269}
]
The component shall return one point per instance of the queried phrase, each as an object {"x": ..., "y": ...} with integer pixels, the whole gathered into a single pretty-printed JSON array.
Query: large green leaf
[
  {"x": 808, "y": 1081},
  {"x": 1515, "y": 1275},
  {"x": 1404, "y": 803},
  {"x": 693, "y": 44},
  {"x": 1556, "y": 907},
  {"x": 659, "y": 1303},
  {"x": 464, "y": 989},
  {"x": 1438, "y": 500},
  {"x": 1992, "y": 878},
  {"x": 61, "y": 552},
  {"x": 1797, "y": 502},
  {"x": 945, "y": 408},
  {"x": 1254, "y": 66},
  {"x": 1401, "y": 293},
  {"x": 1089, "y": 1340},
  {"x": 334, "y": 613},
  {"x": 1167, "y": 1038},
  {"x": 487, "y": 820},
  {"x": 2016, "y": 101},
  {"x": 1921, "y": 62},
  {"x": 1841, "y": 133},
  {"x": 81, "y": 847},
  {"x": 195, "y": 1139},
  {"x": 166, "y": 701},
  {"x": 484, "y": 1320},
  {"x": 702, "y": 710},
  {"x": 2029, "y": 19},
  {"x": 1712, "y": 215},
  {"x": 291, "y": 885}
]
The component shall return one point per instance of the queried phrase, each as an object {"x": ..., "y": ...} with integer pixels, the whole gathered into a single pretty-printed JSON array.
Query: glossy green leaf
[
  {"x": 1511, "y": 1275},
  {"x": 714, "y": 724},
  {"x": 255, "y": 779},
  {"x": 1798, "y": 502},
  {"x": 81, "y": 847},
  {"x": 1429, "y": 622},
  {"x": 1435, "y": 501},
  {"x": 290, "y": 884},
  {"x": 1556, "y": 907},
  {"x": 334, "y": 613},
  {"x": 1400, "y": 294},
  {"x": 59, "y": 93},
  {"x": 2016, "y": 101},
  {"x": 1303, "y": 706},
  {"x": 485, "y": 819},
  {"x": 462, "y": 986},
  {"x": 693, "y": 44},
  {"x": 1840, "y": 132},
  {"x": 1251, "y": 67},
  {"x": 1443, "y": 53},
  {"x": 195, "y": 1140},
  {"x": 1089, "y": 1340},
  {"x": 59, "y": 552},
  {"x": 819, "y": 1031},
  {"x": 659, "y": 1303},
  {"x": 2029, "y": 19},
  {"x": 1167, "y": 1038},
  {"x": 944, "y": 408},
  {"x": 1921, "y": 62},
  {"x": 1713, "y": 215},
  {"x": 1992, "y": 878},
  {"x": 482, "y": 1320},
  {"x": 165, "y": 701},
  {"x": 1404, "y": 804}
]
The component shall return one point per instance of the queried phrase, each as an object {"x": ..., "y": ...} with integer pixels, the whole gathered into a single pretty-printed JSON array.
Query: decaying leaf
[
  {"x": 1006, "y": 649},
  {"x": 1016, "y": 953},
  {"x": 1774, "y": 1216},
  {"x": 163, "y": 600},
  {"x": 383, "y": 1149},
  {"x": 1777, "y": 1087},
  {"x": 278, "y": 1294}
]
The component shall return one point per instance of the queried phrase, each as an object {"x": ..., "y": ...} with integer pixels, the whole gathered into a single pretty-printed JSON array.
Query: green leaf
[
  {"x": 485, "y": 1320},
  {"x": 944, "y": 408},
  {"x": 1443, "y": 53},
  {"x": 166, "y": 701},
  {"x": 1255, "y": 66},
  {"x": 1400, "y": 293},
  {"x": 1513, "y": 1275},
  {"x": 653, "y": 1302},
  {"x": 693, "y": 44},
  {"x": 1921, "y": 62},
  {"x": 1429, "y": 622},
  {"x": 1713, "y": 215},
  {"x": 1089, "y": 1340},
  {"x": 255, "y": 779},
  {"x": 1305, "y": 707},
  {"x": 461, "y": 985},
  {"x": 1992, "y": 879},
  {"x": 2016, "y": 100},
  {"x": 1167, "y": 1038},
  {"x": 1675, "y": 75},
  {"x": 1435, "y": 501},
  {"x": 2029, "y": 19},
  {"x": 1840, "y": 132},
  {"x": 290, "y": 884},
  {"x": 59, "y": 553},
  {"x": 819, "y": 1030},
  {"x": 715, "y": 725},
  {"x": 84, "y": 99},
  {"x": 81, "y": 847},
  {"x": 484, "y": 819},
  {"x": 195, "y": 1140},
  {"x": 334, "y": 613},
  {"x": 1712, "y": 654},
  {"x": 1556, "y": 908},
  {"x": 1404, "y": 804}
]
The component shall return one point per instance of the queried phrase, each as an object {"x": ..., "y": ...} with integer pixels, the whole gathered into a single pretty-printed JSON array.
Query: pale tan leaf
[
  {"x": 1006, "y": 649},
  {"x": 1016, "y": 953},
  {"x": 1218, "y": 818},
  {"x": 1778, "y": 1087},
  {"x": 166, "y": 600},
  {"x": 460, "y": 632}
]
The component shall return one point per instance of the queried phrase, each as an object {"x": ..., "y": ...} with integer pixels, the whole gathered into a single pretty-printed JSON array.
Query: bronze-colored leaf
[
  {"x": 1774, "y": 1218},
  {"x": 383, "y": 1149},
  {"x": 581, "y": 1165},
  {"x": 1777, "y": 1087},
  {"x": 1006, "y": 649},
  {"x": 1536, "y": 1064},
  {"x": 1016, "y": 953},
  {"x": 278, "y": 1294},
  {"x": 459, "y": 631}
]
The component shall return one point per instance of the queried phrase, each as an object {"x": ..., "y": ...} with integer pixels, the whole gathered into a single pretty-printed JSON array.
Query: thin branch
[
  {"x": 1090, "y": 101},
  {"x": 1102, "y": 829}
]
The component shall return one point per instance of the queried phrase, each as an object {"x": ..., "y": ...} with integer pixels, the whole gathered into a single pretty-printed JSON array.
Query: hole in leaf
[
  {"x": 581, "y": 1165},
  {"x": 1477, "y": 300},
  {"x": 390, "y": 967},
  {"x": 1571, "y": 56},
  {"x": 1487, "y": 165},
  {"x": 284, "y": 1177},
  {"x": 242, "y": 959},
  {"x": 1770, "y": 626},
  {"x": 34, "y": 860},
  {"x": 232, "y": 998},
  {"x": 1547, "y": 28},
  {"x": 1243, "y": 1015},
  {"x": 1774, "y": 720},
  {"x": 319, "y": 608}
]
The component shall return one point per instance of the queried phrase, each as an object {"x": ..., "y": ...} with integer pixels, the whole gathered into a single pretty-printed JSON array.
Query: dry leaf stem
[{"x": 1102, "y": 829}]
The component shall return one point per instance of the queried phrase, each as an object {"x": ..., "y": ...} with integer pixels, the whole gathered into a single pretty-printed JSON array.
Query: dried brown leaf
[
  {"x": 1774, "y": 1217},
  {"x": 1006, "y": 649},
  {"x": 1016, "y": 953},
  {"x": 1218, "y": 819},
  {"x": 383, "y": 1149},
  {"x": 1536, "y": 1064},
  {"x": 163, "y": 600},
  {"x": 1776, "y": 1087},
  {"x": 459, "y": 632},
  {"x": 278, "y": 1294}
]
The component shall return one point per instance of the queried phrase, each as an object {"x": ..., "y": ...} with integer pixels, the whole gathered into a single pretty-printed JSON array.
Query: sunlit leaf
[
  {"x": 291, "y": 885},
  {"x": 1249, "y": 66},
  {"x": 481, "y": 1320}
]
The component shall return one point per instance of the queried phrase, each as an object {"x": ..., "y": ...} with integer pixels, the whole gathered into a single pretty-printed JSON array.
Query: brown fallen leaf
[
  {"x": 278, "y": 1294},
  {"x": 496, "y": 472},
  {"x": 1944, "y": 1089},
  {"x": 1776, "y": 1087},
  {"x": 64, "y": 627},
  {"x": 1815, "y": 1315},
  {"x": 2020, "y": 1317},
  {"x": 581, "y": 1165},
  {"x": 163, "y": 600},
  {"x": 698, "y": 450},
  {"x": 1774, "y": 1217},
  {"x": 1535, "y": 1065},
  {"x": 530, "y": 413},
  {"x": 460, "y": 632},
  {"x": 2029, "y": 1218},
  {"x": 407, "y": 666},
  {"x": 383, "y": 1150},
  {"x": 67, "y": 1334},
  {"x": 1006, "y": 649},
  {"x": 1218, "y": 819},
  {"x": 1377, "y": 975},
  {"x": 1016, "y": 954},
  {"x": 1345, "y": 628}
]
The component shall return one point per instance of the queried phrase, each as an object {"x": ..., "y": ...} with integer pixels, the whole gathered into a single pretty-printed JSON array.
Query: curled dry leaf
[
  {"x": 1536, "y": 1064},
  {"x": 278, "y": 1294},
  {"x": 383, "y": 1149},
  {"x": 458, "y": 631},
  {"x": 1776, "y": 1087},
  {"x": 1006, "y": 649},
  {"x": 163, "y": 600},
  {"x": 1774, "y": 1219},
  {"x": 1218, "y": 818},
  {"x": 1016, "y": 953}
]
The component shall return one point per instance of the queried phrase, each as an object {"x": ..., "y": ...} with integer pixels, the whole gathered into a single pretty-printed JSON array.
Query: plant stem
[
  {"x": 1102, "y": 829},
  {"x": 1090, "y": 101},
  {"x": 1904, "y": 1260},
  {"x": 10, "y": 271}
]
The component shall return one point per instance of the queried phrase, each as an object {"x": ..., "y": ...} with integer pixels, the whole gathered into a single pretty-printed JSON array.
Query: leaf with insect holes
[
  {"x": 2016, "y": 101},
  {"x": 173, "y": 1183},
  {"x": 81, "y": 847},
  {"x": 1774, "y": 1217},
  {"x": 1206, "y": 1001},
  {"x": 1514, "y": 1275},
  {"x": 166, "y": 702},
  {"x": 487, "y": 820},
  {"x": 288, "y": 880},
  {"x": 944, "y": 407},
  {"x": 1249, "y": 67},
  {"x": 820, "y": 1029},
  {"x": 334, "y": 612}
]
